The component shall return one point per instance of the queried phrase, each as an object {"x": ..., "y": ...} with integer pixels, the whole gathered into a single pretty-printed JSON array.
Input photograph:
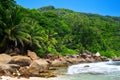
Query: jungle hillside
[{"x": 57, "y": 31}]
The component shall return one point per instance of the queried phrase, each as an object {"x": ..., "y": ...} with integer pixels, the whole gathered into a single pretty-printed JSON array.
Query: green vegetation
[{"x": 58, "y": 31}]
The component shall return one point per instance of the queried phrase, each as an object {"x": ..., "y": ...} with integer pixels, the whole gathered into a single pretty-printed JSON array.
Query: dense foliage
[{"x": 58, "y": 31}]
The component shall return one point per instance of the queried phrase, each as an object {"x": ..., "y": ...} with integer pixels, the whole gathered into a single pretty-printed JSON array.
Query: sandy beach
[{"x": 31, "y": 78}]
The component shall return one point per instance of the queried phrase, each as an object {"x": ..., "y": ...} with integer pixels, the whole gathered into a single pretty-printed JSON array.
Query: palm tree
[
  {"x": 12, "y": 28},
  {"x": 37, "y": 33}
]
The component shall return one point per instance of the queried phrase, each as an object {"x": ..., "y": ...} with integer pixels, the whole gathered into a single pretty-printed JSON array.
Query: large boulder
[
  {"x": 21, "y": 60},
  {"x": 32, "y": 55},
  {"x": 38, "y": 66},
  {"x": 4, "y": 58}
]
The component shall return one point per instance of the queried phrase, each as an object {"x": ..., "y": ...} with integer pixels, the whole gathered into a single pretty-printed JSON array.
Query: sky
[{"x": 102, "y": 7}]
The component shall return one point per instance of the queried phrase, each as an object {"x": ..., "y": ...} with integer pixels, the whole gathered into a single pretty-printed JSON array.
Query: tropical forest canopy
[{"x": 57, "y": 31}]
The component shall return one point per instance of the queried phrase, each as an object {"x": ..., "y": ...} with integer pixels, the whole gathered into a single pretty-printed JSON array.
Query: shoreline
[{"x": 31, "y": 66}]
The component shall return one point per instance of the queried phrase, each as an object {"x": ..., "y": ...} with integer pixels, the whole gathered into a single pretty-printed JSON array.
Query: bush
[
  {"x": 67, "y": 51},
  {"x": 41, "y": 52},
  {"x": 52, "y": 50},
  {"x": 108, "y": 54}
]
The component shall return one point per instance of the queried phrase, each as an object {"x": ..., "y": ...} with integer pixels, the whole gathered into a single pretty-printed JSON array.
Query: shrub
[
  {"x": 67, "y": 51},
  {"x": 40, "y": 52},
  {"x": 52, "y": 50},
  {"x": 108, "y": 54}
]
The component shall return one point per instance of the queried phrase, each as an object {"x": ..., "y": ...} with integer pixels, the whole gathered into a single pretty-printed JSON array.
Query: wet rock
[
  {"x": 4, "y": 58},
  {"x": 20, "y": 60},
  {"x": 32, "y": 55},
  {"x": 86, "y": 66}
]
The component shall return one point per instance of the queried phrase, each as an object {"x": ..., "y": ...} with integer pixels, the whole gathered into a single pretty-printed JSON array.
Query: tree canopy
[{"x": 58, "y": 31}]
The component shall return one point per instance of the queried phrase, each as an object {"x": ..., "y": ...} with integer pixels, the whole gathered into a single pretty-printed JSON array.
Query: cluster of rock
[{"x": 32, "y": 65}]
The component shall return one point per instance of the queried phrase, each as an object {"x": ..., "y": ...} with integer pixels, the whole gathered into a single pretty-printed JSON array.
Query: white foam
[{"x": 100, "y": 67}]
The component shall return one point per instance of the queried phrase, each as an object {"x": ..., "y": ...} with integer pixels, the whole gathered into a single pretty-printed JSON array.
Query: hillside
[
  {"x": 58, "y": 31},
  {"x": 88, "y": 31}
]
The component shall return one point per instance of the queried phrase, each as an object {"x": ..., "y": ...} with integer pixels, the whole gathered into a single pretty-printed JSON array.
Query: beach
[{"x": 31, "y": 78}]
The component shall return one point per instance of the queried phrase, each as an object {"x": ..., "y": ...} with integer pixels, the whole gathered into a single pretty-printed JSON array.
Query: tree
[{"x": 13, "y": 32}]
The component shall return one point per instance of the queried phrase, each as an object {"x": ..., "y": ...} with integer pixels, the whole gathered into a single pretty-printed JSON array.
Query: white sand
[{"x": 31, "y": 78}]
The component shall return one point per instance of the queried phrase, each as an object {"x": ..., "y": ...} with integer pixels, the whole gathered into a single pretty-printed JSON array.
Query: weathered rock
[
  {"x": 50, "y": 56},
  {"x": 4, "y": 58},
  {"x": 32, "y": 55},
  {"x": 24, "y": 72},
  {"x": 59, "y": 63},
  {"x": 9, "y": 69},
  {"x": 90, "y": 59},
  {"x": 104, "y": 58},
  {"x": 52, "y": 68},
  {"x": 87, "y": 52},
  {"x": 38, "y": 66},
  {"x": 59, "y": 56},
  {"x": 82, "y": 60},
  {"x": 98, "y": 59},
  {"x": 83, "y": 55},
  {"x": 15, "y": 52},
  {"x": 73, "y": 60},
  {"x": 20, "y": 60},
  {"x": 4, "y": 66},
  {"x": 115, "y": 58},
  {"x": 97, "y": 54},
  {"x": 47, "y": 75},
  {"x": 8, "y": 66},
  {"x": 89, "y": 56},
  {"x": 72, "y": 56}
]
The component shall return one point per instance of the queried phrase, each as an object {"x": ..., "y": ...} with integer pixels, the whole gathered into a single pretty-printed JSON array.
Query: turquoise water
[
  {"x": 93, "y": 71},
  {"x": 90, "y": 77}
]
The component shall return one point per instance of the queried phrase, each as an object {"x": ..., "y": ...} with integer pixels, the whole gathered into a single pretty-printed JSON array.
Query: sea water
[{"x": 93, "y": 71}]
